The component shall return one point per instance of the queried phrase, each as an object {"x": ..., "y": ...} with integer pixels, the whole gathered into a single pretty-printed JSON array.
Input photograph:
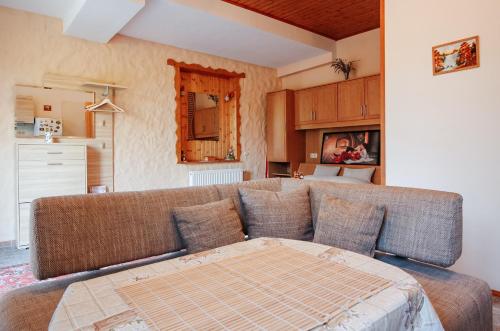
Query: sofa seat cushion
[
  {"x": 463, "y": 303},
  {"x": 209, "y": 226}
]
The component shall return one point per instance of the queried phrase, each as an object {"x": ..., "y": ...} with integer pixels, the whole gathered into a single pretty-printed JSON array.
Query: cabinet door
[
  {"x": 51, "y": 178},
  {"x": 351, "y": 100},
  {"x": 276, "y": 127},
  {"x": 303, "y": 106},
  {"x": 372, "y": 97},
  {"x": 23, "y": 230},
  {"x": 325, "y": 103}
]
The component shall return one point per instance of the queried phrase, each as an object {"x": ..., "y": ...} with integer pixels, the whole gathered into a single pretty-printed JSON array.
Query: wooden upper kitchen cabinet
[
  {"x": 284, "y": 143},
  {"x": 359, "y": 99},
  {"x": 351, "y": 100},
  {"x": 303, "y": 106},
  {"x": 325, "y": 103},
  {"x": 314, "y": 106},
  {"x": 372, "y": 97}
]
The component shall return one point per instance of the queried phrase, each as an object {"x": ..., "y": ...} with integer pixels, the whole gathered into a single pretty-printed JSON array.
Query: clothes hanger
[{"x": 105, "y": 102}]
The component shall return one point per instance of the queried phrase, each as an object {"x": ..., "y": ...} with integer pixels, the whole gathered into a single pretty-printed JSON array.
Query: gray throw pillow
[
  {"x": 353, "y": 226},
  {"x": 278, "y": 214},
  {"x": 364, "y": 174},
  {"x": 326, "y": 171},
  {"x": 208, "y": 226}
]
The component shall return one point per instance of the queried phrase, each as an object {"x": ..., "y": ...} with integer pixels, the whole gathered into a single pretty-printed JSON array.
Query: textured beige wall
[
  {"x": 32, "y": 45},
  {"x": 364, "y": 47}
]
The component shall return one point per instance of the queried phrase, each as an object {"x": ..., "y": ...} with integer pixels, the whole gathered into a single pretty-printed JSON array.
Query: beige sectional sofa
[{"x": 422, "y": 234}]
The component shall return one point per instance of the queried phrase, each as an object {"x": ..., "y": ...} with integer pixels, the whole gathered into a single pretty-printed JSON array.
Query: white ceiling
[{"x": 208, "y": 26}]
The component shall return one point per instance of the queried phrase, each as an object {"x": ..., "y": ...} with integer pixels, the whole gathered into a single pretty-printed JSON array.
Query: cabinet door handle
[
  {"x": 53, "y": 153},
  {"x": 55, "y": 164},
  {"x": 366, "y": 110},
  {"x": 362, "y": 110}
]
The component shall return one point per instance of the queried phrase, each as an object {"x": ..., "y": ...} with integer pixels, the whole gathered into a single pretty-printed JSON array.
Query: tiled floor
[
  {"x": 496, "y": 313},
  {"x": 10, "y": 256}
]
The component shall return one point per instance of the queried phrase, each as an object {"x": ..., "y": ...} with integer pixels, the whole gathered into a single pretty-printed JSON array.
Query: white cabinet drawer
[
  {"x": 51, "y": 178},
  {"x": 40, "y": 152},
  {"x": 24, "y": 214}
]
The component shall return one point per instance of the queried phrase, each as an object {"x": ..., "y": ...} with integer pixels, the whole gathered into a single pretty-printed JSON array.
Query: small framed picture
[{"x": 455, "y": 56}]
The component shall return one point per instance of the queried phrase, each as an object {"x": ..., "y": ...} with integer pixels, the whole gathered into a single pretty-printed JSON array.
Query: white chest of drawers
[{"x": 47, "y": 170}]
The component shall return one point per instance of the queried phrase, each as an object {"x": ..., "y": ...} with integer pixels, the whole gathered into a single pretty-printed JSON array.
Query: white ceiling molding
[
  {"x": 306, "y": 64},
  {"x": 211, "y": 27},
  {"x": 98, "y": 20},
  {"x": 255, "y": 20},
  {"x": 208, "y": 26},
  {"x": 54, "y": 8}
]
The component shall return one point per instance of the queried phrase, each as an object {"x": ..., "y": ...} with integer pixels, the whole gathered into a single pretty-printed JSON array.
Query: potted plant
[{"x": 344, "y": 66}]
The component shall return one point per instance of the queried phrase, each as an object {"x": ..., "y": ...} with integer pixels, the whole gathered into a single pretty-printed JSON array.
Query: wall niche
[{"x": 207, "y": 113}]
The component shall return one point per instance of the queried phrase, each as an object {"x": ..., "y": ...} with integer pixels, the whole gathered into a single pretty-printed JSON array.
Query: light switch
[{"x": 313, "y": 155}]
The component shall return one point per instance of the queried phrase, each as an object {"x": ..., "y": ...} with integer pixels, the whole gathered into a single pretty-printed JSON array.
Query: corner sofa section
[{"x": 86, "y": 233}]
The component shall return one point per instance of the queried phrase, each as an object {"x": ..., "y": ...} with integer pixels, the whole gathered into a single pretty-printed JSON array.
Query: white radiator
[{"x": 219, "y": 176}]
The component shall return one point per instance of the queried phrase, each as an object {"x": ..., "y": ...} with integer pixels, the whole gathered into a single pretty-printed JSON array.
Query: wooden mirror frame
[{"x": 232, "y": 77}]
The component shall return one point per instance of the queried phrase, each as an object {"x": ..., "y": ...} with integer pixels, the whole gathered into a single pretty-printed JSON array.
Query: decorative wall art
[
  {"x": 357, "y": 147},
  {"x": 458, "y": 55}
]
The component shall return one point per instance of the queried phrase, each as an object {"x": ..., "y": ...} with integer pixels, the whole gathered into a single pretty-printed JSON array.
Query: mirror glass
[
  {"x": 59, "y": 111},
  {"x": 203, "y": 116}
]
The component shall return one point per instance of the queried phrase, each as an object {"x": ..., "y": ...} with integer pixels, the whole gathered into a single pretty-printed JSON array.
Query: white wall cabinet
[{"x": 45, "y": 170}]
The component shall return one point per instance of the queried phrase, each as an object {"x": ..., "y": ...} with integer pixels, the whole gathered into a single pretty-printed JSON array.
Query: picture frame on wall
[
  {"x": 456, "y": 56},
  {"x": 353, "y": 147}
]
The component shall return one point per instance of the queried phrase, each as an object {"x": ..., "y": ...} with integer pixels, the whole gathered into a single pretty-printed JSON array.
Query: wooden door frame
[{"x": 382, "y": 94}]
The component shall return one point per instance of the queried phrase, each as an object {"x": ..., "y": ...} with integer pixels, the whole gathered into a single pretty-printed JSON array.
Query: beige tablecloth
[{"x": 289, "y": 285}]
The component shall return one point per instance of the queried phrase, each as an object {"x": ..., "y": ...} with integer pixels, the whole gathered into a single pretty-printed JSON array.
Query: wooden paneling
[
  {"x": 351, "y": 100},
  {"x": 372, "y": 97},
  {"x": 335, "y": 19},
  {"x": 195, "y": 78}
]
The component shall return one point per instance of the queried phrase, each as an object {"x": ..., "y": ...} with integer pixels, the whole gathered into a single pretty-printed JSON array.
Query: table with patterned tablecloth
[{"x": 260, "y": 284}]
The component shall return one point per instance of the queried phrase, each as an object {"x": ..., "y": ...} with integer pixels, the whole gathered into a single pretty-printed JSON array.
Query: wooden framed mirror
[
  {"x": 203, "y": 116},
  {"x": 207, "y": 113},
  {"x": 59, "y": 111}
]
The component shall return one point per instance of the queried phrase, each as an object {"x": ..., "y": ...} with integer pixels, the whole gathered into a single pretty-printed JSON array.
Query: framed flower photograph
[
  {"x": 356, "y": 147},
  {"x": 455, "y": 56}
]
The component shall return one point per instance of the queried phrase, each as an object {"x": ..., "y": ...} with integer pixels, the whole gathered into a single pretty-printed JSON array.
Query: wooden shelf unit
[{"x": 285, "y": 145}]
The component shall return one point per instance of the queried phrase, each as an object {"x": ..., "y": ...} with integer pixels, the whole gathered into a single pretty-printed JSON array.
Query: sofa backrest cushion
[
  {"x": 424, "y": 225},
  {"x": 278, "y": 214},
  {"x": 231, "y": 191},
  {"x": 86, "y": 232}
]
